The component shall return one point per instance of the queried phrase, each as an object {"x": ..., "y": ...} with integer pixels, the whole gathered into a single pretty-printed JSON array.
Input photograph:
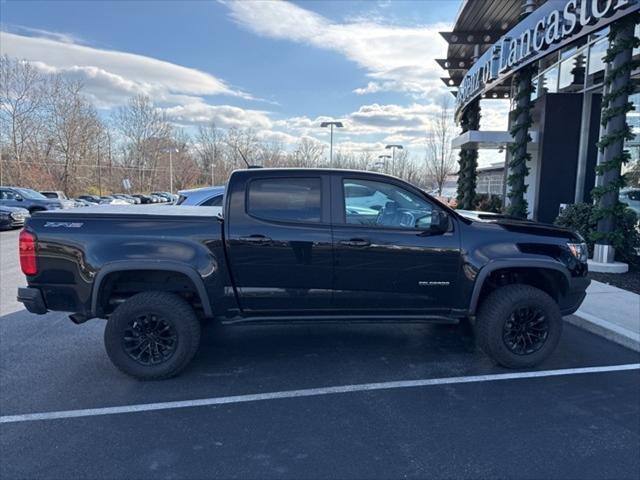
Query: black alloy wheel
[
  {"x": 150, "y": 339},
  {"x": 526, "y": 330}
]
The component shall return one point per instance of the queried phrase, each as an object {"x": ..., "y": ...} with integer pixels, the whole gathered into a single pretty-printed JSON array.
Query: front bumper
[
  {"x": 32, "y": 300},
  {"x": 570, "y": 302}
]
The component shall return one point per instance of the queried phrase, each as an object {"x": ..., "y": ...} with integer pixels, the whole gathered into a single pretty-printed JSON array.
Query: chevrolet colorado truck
[{"x": 301, "y": 245}]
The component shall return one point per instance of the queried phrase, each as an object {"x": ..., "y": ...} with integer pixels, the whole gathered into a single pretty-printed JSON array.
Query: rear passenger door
[{"x": 279, "y": 243}]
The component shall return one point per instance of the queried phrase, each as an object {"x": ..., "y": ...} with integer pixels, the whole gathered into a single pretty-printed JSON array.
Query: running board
[{"x": 332, "y": 319}]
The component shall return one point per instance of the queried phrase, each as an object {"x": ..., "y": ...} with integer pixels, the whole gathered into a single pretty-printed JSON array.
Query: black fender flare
[
  {"x": 516, "y": 263},
  {"x": 167, "y": 266}
]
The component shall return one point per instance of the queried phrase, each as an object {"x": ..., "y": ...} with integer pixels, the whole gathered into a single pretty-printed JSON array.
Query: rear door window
[{"x": 286, "y": 199}]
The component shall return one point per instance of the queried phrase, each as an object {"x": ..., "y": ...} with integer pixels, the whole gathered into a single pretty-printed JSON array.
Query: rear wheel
[
  {"x": 518, "y": 326},
  {"x": 152, "y": 336}
]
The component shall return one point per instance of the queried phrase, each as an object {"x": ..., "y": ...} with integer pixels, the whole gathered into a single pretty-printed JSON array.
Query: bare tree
[
  {"x": 209, "y": 149},
  {"x": 440, "y": 161},
  {"x": 73, "y": 130},
  {"x": 144, "y": 129},
  {"x": 21, "y": 101},
  {"x": 308, "y": 153}
]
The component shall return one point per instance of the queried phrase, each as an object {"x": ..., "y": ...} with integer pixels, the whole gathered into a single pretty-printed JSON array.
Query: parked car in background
[
  {"x": 205, "y": 197},
  {"x": 92, "y": 199},
  {"x": 12, "y": 217},
  {"x": 631, "y": 196},
  {"x": 83, "y": 203},
  {"x": 170, "y": 197},
  {"x": 157, "y": 198},
  {"x": 27, "y": 199},
  {"x": 124, "y": 197},
  {"x": 111, "y": 200},
  {"x": 144, "y": 199},
  {"x": 57, "y": 194}
]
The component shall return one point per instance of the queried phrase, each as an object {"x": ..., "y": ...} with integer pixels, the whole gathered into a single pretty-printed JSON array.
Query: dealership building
[{"x": 547, "y": 58}]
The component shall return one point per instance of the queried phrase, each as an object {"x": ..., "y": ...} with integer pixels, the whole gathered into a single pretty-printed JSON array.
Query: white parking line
[{"x": 308, "y": 392}]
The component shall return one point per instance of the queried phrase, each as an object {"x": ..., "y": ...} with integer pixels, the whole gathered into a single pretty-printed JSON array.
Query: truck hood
[{"x": 520, "y": 225}]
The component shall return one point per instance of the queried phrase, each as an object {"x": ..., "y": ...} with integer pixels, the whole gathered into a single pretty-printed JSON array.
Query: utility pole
[{"x": 331, "y": 125}]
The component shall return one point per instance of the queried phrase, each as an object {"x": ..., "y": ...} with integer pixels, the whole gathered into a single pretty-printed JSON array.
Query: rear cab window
[{"x": 297, "y": 199}]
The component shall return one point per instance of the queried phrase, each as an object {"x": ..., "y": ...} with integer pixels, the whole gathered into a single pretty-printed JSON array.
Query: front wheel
[
  {"x": 152, "y": 336},
  {"x": 518, "y": 326}
]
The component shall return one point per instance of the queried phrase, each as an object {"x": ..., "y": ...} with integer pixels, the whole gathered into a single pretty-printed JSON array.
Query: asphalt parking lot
[{"x": 460, "y": 418}]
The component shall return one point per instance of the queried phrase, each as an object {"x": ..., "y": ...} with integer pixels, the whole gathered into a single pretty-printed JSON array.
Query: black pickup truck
[{"x": 301, "y": 245}]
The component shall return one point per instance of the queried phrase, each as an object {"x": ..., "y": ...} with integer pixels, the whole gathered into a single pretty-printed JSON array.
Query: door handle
[
  {"x": 255, "y": 239},
  {"x": 355, "y": 242}
]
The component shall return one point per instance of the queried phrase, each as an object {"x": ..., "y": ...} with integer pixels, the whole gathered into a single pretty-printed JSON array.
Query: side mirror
[
  {"x": 437, "y": 222},
  {"x": 18, "y": 197}
]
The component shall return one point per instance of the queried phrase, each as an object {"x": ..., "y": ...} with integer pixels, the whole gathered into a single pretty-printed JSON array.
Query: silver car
[{"x": 205, "y": 197}]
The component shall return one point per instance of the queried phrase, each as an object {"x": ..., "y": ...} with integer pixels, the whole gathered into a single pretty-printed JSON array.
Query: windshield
[{"x": 32, "y": 194}]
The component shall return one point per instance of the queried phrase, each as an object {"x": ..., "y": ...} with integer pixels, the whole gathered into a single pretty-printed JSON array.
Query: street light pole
[
  {"x": 393, "y": 155},
  {"x": 384, "y": 159},
  {"x": 331, "y": 125},
  {"x": 170, "y": 172},
  {"x": 171, "y": 151}
]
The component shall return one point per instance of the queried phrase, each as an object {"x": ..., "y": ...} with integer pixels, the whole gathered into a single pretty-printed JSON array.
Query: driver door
[{"x": 386, "y": 259}]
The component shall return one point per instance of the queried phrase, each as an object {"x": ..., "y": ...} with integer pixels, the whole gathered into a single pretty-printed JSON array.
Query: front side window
[
  {"x": 31, "y": 194},
  {"x": 7, "y": 195},
  {"x": 285, "y": 199},
  {"x": 382, "y": 204}
]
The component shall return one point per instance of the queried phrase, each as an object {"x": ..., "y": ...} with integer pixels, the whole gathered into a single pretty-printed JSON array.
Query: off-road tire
[
  {"x": 496, "y": 310},
  {"x": 175, "y": 311}
]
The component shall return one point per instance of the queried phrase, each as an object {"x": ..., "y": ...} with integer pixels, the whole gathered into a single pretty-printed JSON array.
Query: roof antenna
[{"x": 245, "y": 159}]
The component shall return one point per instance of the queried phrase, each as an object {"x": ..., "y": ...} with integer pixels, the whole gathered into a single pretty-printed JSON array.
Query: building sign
[{"x": 549, "y": 28}]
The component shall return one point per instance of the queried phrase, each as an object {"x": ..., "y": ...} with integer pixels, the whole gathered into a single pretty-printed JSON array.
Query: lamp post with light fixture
[
  {"x": 384, "y": 159},
  {"x": 331, "y": 125},
  {"x": 393, "y": 155}
]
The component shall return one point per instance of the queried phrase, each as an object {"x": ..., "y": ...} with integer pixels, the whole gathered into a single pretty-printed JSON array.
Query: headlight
[
  {"x": 579, "y": 251},
  {"x": 15, "y": 215}
]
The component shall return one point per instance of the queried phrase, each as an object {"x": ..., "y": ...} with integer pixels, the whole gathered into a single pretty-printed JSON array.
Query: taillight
[{"x": 27, "y": 248}]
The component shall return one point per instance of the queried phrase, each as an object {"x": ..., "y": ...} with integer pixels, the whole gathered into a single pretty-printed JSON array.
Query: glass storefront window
[
  {"x": 549, "y": 81},
  {"x": 636, "y": 50},
  {"x": 633, "y": 119},
  {"x": 596, "y": 64},
  {"x": 572, "y": 73},
  {"x": 534, "y": 89}
]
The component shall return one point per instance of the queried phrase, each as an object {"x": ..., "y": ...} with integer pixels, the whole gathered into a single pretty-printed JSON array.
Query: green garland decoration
[
  {"x": 518, "y": 168},
  {"x": 612, "y": 139},
  {"x": 468, "y": 160}
]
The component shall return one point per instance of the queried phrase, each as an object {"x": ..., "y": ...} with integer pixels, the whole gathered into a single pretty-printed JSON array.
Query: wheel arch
[
  {"x": 161, "y": 266},
  {"x": 553, "y": 275}
]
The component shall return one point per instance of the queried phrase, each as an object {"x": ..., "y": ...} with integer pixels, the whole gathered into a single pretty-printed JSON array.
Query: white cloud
[
  {"x": 224, "y": 116},
  {"x": 390, "y": 122},
  {"x": 111, "y": 75},
  {"x": 396, "y": 57}
]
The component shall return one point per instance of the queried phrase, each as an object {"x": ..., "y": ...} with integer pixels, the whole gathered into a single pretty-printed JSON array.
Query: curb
[{"x": 606, "y": 329}]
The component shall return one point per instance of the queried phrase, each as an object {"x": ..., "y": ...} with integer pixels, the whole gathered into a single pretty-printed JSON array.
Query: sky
[{"x": 278, "y": 67}]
